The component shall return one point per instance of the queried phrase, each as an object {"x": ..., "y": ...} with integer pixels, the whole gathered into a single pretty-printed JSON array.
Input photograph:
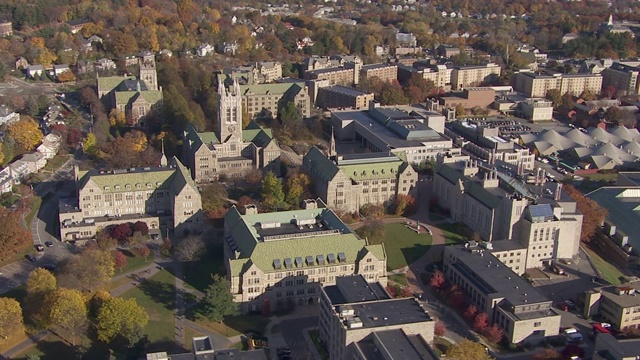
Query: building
[
  {"x": 50, "y": 145},
  {"x": 231, "y": 151},
  {"x": 163, "y": 197},
  {"x": 411, "y": 132},
  {"x": 447, "y": 51},
  {"x": 355, "y": 309},
  {"x": 394, "y": 345},
  {"x": 346, "y": 182},
  {"x": 6, "y": 28},
  {"x": 259, "y": 98},
  {"x": 135, "y": 97},
  {"x": 203, "y": 349},
  {"x": 440, "y": 75},
  {"x": 519, "y": 309},
  {"x": 77, "y": 25},
  {"x": 483, "y": 139},
  {"x": 608, "y": 347},
  {"x": 536, "y": 109},
  {"x": 406, "y": 39},
  {"x": 536, "y": 85},
  {"x": 268, "y": 71},
  {"x": 623, "y": 78},
  {"x": 616, "y": 304},
  {"x": 523, "y": 208},
  {"x": 338, "y": 69},
  {"x": 8, "y": 116},
  {"x": 384, "y": 72},
  {"x": 472, "y": 97},
  {"x": 278, "y": 260},
  {"x": 204, "y": 49},
  {"x": 474, "y": 75},
  {"x": 34, "y": 70},
  {"x": 331, "y": 97},
  {"x": 228, "y": 47}
]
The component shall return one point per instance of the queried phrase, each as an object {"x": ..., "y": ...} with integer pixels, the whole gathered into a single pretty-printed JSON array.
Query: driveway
[{"x": 293, "y": 334}]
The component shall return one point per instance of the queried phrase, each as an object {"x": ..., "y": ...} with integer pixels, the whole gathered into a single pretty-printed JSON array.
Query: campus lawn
[
  {"x": 197, "y": 273},
  {"x": 134, "y": 260},
  {"x": 609, "y": 272},
  {"x": 235, "y": 325},
  {"x": 403, "y": 245},
  {"x": 400, "y": 279},
  {"x": 157, "y": 296},
  {"x": 453, "y": 233}
]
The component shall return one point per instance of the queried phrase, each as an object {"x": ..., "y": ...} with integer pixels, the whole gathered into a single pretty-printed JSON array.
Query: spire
[
  {"x": 332, "y": 144},
  {"x": 610, "y": 22},
  {"x": 163, "y": 158},
  {"x": 138, "y": 86}
]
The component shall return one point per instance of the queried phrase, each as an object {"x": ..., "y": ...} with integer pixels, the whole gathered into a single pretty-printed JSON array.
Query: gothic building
[
  {"x": 231, "y": 151},
  {"x": 136, "y": 97}
]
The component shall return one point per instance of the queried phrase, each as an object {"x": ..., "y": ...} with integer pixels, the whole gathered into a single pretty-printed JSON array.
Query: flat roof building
[
  {"x": 354, "y": 309},
  {"x": 536, "y": 85},
  {"x": 519, "y": 309},
  {"x": 331, "y": 97},
  {"x": 608, "y": 347},
  {"x": 616, "y": 304}
]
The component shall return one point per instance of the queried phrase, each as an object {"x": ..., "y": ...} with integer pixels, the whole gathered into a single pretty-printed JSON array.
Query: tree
[
  {"x": 460, "y": 110},
  {"x": 296, "y": 185},
  {"x": 593, "y": 215},
  {"x": 13, "y": 237},
  {"x": 218, "y": 300},
  {"x": 88, "y": 270},
  {"x": 122, "y": 231},
  {"x": 494, "y": 334},
  {"x": 481, "y": 322},
  {"x": 613, "y": 113},
  {"x": 272, "y": 193},
  {"x": 555, "y": 96},
  {"x": 165, "y": 248},
  {"x": 117, "y": 118},
  {"x": 39, "y": 284},
  {"x": 144, "y": 251},
  {"x": 470, "y": 313},
  {"x": 567, "y": 101},
  {"x": 105, "y": 241},
  {"x": 66, "y": 312},
  {"x": 121, "y": 317},
  {"x": 10, "y": 319},
  {"x": 26, "y": 132},
  {"x": 372, "y": 210},
  {"x": 66, "y": 76},
  {"x": 373, "y": 230},
  {"x": 141, "y": 227},
  {"x": 90, "y": 144},
  {"x": 437, "y": 280},
  {"x": 404, "y": 205},
  {"x": 120, "y": 260},
  {"x": 189, "y": 248},
  {"x": 610, "y": 91},
  {"x": 214, "y": 196},
  {"x": 467, "y": 349},
  {"x": 587, "y": 95},
  {"x": 440, "y": 329}
]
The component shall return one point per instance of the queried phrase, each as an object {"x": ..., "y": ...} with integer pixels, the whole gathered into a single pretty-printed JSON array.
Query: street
[{"x": 293, "y": 333}]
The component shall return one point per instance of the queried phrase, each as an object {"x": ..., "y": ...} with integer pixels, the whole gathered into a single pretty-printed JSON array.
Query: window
[{"x": 537, "y": 324}]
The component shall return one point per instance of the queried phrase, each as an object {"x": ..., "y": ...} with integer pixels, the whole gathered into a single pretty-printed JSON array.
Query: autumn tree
[
  {"x": 189, "y": 248},
  {"x": 437, "y": 280},
  {"x": 460, "y": 110},
  {"x": 214, "y": 196},
  {"x": 88, "y": 270},
  {"x": 296, "y": 185},
  {"x": 218, "y": 300},
  {"x": 272, "y": 192},
  {"x": 122, "y": 231},
  {"x": 13, "y": 237},
  {"x": 120, "y": 260},
  {"x": 440, "y": 329},
  {"x": 593, "y": 215},
  {"x": 39, "y": 284},
  {"x": 26, "y": 132},
  {"x": 493, "y": 334},
  {"x": 547, "y": 354},
  {"x": 11, "y": 324},
  {"x": 144, "y": 251},
  {"x": 467, "y": 349},
  {"x": 555, "y": 96},
  {"x": 66, "y": 312},
  {"x": 117, "y": 118},
  {"x": 121, "y": 317},
  {"x": 373, "y": 230},
  {"x": 404, "y": 205},
  {"x": 481, "y": 322},
  {"x": 470, "y": 313},
  {"x": 90, "y": 145}
]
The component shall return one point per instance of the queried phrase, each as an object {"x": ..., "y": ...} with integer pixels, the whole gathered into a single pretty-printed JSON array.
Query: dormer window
[
  {"x": 106, "y": 188},
  {"x": 117, "y": 187},
  {"x": 127, "y": 187}
]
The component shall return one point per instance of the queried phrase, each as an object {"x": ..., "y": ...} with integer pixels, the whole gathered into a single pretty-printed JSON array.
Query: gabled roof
[
  {"x": 318, "y": 163},
  {"x": 626, "y": 134},
  {"x": 580, "y": 138},
  {"x": 474, "y": 189},
  {"x": 197, "y": 139}
]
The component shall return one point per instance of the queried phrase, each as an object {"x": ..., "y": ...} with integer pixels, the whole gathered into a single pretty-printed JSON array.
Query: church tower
[
  {"x": 229, "y": 111},
  {"x": 148, "y": 72}
]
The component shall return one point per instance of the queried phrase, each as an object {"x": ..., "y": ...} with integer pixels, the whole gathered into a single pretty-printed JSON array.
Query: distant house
[
  {"x": 94, "y": 39},
  {"x": 568, "y": 37},
  {"x": 77, "y": 25},
  {"x": 34, "y": 161},
  {"x": 166, "y": 52},
  {"x": 59, "y": 69},
  {"x": 6, "y": 28},
  {"x": 21, "y": 63},
  {"x": 104, "y": 64},
  {"x": 8, "y": 116},
  {"x": 35, "y": 70},
  {"x": 86, "y": 46},
  {"x": 204, "y": 50},
  {"x": 50, "y": 146},
  {"x": 228, "y": 48}
]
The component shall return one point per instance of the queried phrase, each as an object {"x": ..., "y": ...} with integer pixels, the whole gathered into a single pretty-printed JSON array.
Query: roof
[
  {"x": 261, "y": 239},
  {"x": 353, "y": 289},
  {"x": 474, "y": 189},
  {"x": 624, "y": 348},
  {"x": 110, "y": 83},
  {"x": 391, "y": 312},
  {"x": 623, "y": 208},
  {"x": 343, "y": 90},
  {"x": 274, "y": 88},
  {"x": 395, "y": 344},
  {"x": 622, "y": 300},
  {"x": 493, "y": 277}
]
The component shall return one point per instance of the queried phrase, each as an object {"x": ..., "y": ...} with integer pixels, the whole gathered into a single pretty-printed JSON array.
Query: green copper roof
[
  {"x": 265, "y": 89},
  {"x": 320, "y": 165},
  {"x": 243, "y": 231},
  {"x": 196, "y": 138},
  {"x": 111, "y": 82},
  {"x": 151, "y": 96},
  {"x": 367, "y": 171}
]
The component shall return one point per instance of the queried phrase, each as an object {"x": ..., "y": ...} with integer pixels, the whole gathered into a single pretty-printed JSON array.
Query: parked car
[
  {"x": 31, "y": 258},
  {"x": 562, "y": 306},
  {"x": 39, "y": 247},
  {"x": 48, "y": 243},
  {"x": 572, "y": 335}
]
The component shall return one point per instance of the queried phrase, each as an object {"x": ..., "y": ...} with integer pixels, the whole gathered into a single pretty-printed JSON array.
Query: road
[{"x": 293, "y": 332}]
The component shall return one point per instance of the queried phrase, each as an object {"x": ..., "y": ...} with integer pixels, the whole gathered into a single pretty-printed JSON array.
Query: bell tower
[
  {"x": 229, "y": 111},
  {"x": 148, "y": 72}
]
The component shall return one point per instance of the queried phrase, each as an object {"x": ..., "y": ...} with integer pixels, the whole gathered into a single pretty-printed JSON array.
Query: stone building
[
  {"x": 346, "y": 182},
  {"x": 618, "y": 305},
  {"x": 536, "y": 85},
  {"x": 623, "y": 78},
  {"x": 6, "y": 28},
  {"x": 356, "y": 309},
  {"x": 135, "y": 97},
  {"x": 271, "y": 97},
  {"x": 343, "y": 97},
  {"x": 519, "y": 309},
  {"x": 525, "y": 209},
  {"x": 385, "y": 72},
  {"x": 278, "y": 260},
  {"x": 163, "y": 197},
  {"x": 232, "y": 150},
  {"x": 474, "y": 75}
]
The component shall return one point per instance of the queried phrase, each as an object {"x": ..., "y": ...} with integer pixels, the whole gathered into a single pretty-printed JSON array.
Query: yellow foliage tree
[
  {"x": 1, "y": 154},
  {"x": 91, "y": 29},
  {"x": 11, "y": 324},
  {"x": 137, "y": 140},
  {"x": 117, "y": 118},
  {"x": 90, "y": 144},
  {"x": 66, "y": 76},
  {"x": 26, "y": 132},
  {"x": 37, "y": 42},
  {"x": 46, "y": 57},
  {"x": 66, "y": 312},
  {"x": 467, "y": 349}
]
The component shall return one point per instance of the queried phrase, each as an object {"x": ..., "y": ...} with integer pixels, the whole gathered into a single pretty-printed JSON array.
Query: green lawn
[
  {"x": 134, "y": 261},
  {"x": 315, "y": 337},
  {"x": 454, "y": 233},
  {"x": 236, "y": 325},
  {"x": 403, "y": 246},
  {"x": 399, "y": 279},
  {"x": 198, "y": 273},
  {"x": 55, "y": 163},
  {"x": 54, "y": 348},
  {"x": 608, "y": 272},
  {"x": 601, "y": 177},
  {"x": 157, "y": 296}
]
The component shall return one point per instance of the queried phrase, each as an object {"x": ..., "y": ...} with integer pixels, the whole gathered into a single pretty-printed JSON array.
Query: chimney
[{"x": 558, "y": 192}]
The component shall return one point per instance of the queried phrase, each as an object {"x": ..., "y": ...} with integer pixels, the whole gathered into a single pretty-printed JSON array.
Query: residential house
[
  {"x": 21, "y": 63},
  {"x": 8, "y": 116},
  {"x": 35, "y": 70},
  {"x": 50, "y": 146},
  {"x": 104, "y": 64},
  {"x": 77, "y": 25},
  {"x": 204, "y": 50},
  {"x": 6, "y": 28}
]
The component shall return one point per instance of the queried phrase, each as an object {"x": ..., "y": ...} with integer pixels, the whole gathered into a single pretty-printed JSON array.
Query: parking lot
[{"x": 14, "y": 274}]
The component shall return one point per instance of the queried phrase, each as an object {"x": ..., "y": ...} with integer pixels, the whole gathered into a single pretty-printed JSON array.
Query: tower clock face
[{"x": 231, "y": 128}]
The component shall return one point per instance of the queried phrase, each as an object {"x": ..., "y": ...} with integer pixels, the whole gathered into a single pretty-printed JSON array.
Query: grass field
[
  {"x": 403, "y": 246},
  {"x": 601, "y": 177},
  {"x": 134, "y": 261},
  {"x": 236, "y": 325},
  {"x": 55, "y": 163},
  {"x": 453, "y": 233},
  {"x": 399, "y": 279},
  {"x": 607, "y": 271},
  {"x": 198, "y": 273},
  {"x": 157, "y": 296}
]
